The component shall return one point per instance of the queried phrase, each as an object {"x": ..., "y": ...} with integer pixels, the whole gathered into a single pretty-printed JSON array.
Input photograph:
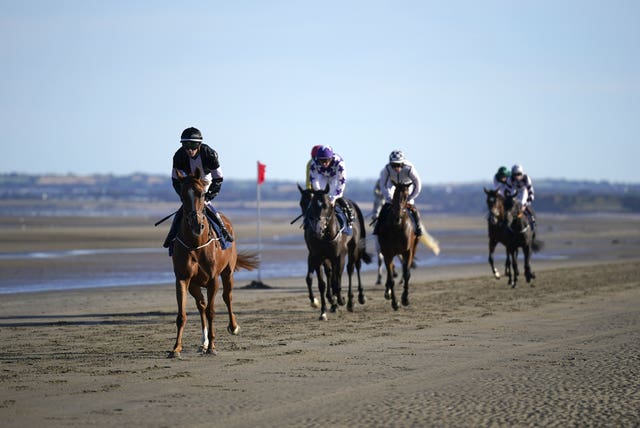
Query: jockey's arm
[{"x": 417, "y": 184}]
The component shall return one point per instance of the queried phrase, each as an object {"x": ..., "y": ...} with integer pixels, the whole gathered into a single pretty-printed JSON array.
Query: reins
[{"x": 196, "y": 248}]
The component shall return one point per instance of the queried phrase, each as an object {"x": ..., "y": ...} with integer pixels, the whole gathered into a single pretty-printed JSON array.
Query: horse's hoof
[
  {"x": 405, "y": 301},
  {"x": 496, "y": 275},
  {"x": 333, "y": 308},
  {"x": 233, "y": 331},
  {"x": 341, "y": 301},
  {"x": 210, "y": 352},
  {"x": 395, "y": 306},
  {"x": 174, "y": 354},
  {"x": 323, "y": 316},
  {"x": 362, "y": 300},
  {"x": 315, "y": 303},
  {"x": 387, "y": 294},
  {"x": 513, "y": 285}
]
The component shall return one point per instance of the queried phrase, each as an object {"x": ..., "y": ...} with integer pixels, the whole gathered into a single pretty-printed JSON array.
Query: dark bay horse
[
  {"x": 520, "y": 236},
  {"x": 498, "y": 231},
  {"x": 329, "y": 246},
  {"x": 199, "y": 262},
  {"x": 397, "y": 237}
]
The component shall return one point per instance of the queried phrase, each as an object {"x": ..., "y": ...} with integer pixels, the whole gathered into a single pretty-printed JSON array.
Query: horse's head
[
  {"x": 193, "y": 203},
  {"x": 516, "y": 218},
  {"x": 319, "y": 213},
  {"x": 399, "y": 203},
  {"x": 495, "y": 204},
  {"x": 305, "y": 198}
]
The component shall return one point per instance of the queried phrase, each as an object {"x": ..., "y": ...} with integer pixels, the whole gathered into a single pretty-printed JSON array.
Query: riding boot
[
  {"x": 416, "y": 218},
  {"x": 215, "y": 216},
  {"x": 348, "y": 212},
  {"x": 173, "y": 231}
]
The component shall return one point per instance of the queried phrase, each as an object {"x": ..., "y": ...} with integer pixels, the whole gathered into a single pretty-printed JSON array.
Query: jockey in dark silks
[{"x": 191, "y": 156}]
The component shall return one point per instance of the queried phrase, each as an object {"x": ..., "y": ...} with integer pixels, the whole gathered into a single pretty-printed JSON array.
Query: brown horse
[
  {"x": 199, "y": 262},
  {"x": 397, "y": 237},
  {"x": 497, "y": 228},
  {"x": 328, "y": 247}
]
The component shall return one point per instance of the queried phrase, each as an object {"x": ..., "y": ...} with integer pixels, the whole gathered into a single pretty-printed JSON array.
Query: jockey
[
  {"x": 500, "y": 180},
  {"x": 378, "y": 201},
  {"x": 328, "y": 167},
  {"x": 191, "y": 156},
  {"x": 521, "y": 183},
  {"x": 314, "y": 151},
  {"x": 400, "y": 170}
]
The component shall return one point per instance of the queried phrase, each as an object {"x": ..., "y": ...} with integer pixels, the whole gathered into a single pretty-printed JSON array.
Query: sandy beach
[{"x": 468, "y": 351}]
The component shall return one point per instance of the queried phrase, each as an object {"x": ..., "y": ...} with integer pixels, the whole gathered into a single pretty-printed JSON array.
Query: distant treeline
[{"x": 557, "y": 196}]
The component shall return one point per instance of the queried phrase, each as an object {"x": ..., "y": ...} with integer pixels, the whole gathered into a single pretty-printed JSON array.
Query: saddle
[{"x": 342, "y": 219}]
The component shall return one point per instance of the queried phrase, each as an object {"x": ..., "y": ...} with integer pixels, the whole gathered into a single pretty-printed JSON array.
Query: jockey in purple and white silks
[
  {"x": 400, "y": 171},
  {"x": 521, "y": 183},
  {"x": 328, "y": 168}
]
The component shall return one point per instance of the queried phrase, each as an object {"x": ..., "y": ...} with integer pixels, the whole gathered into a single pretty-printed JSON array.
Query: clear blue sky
[{"x": 462, "y": 87}]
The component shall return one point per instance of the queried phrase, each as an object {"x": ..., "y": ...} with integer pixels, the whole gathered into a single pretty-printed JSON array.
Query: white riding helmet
[
  {"x": 517, "y": 170},
  {"x": 396, "y": 156}
]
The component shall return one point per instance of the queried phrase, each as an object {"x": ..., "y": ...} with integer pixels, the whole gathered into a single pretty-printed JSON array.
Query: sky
[{"x": 462, "y": 87}]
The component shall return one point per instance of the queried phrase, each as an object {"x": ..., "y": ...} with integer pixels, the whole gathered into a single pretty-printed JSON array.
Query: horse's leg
[
  {"x": 361, "y": 298},
  {"x": 181, "y": 319},
  {"x": 406, "y": 275},
  {"x": 337, "y": 279},
  {"x": 350, "y": 266},
  {"x": 227, "y": 287},
  {"x": 201, "y": 304},
  {"x": 212, "y": 290},
  {"x": 507, "y": 264},
  {"x": 526, "y": 252},
  {"x": 514, "y": 266},
  {"x": 380, "y": 261},
  {"x": 389, "y": 285},
  {"x": 492, "y": 247},
  {"x": 321, "y": 289},
  {"x": 309, "y": 280}
]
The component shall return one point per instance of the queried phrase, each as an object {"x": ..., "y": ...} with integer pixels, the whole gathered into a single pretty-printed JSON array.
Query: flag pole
[
  {"x": 259, "y": 226},
  {"x": 259, "y": 181}
]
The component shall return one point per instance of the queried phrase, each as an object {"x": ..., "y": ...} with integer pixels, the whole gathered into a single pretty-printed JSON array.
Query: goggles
[{"x": 191, "y": 145}]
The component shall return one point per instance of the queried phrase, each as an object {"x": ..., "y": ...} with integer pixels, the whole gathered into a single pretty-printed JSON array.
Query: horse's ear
[
  {"x": 486, "y": 191},
  {"x": 326, "y": 189},
  {"x": 197, "y": 174},
  {"x": 300, "y": 188}
]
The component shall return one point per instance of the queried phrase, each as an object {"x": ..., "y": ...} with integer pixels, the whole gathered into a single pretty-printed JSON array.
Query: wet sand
[{"x": 468, "y": 351}]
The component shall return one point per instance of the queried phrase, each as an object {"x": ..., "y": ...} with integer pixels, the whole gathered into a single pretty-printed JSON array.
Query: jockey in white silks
[
  {"x": 400, "y": 171},
  {"x": 521, "y": 183}
]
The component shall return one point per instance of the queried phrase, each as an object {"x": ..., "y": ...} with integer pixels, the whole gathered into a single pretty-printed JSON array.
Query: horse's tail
[
  {"x": 362, "y": 243},
  {"x": 247, "y": 260},
  {"x": 429, "y": 241},
  {"x": 537, "y": 245}
]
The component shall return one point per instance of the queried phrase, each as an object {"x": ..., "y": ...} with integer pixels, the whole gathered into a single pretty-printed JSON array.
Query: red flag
[{"x": 262, "y": 168}]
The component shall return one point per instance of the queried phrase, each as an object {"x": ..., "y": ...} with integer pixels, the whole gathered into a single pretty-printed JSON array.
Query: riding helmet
[
  {"x": 396, "y": 156},
  {"x": 314, "y": 150},
  {"x": 191, "y": 135},
  {"x": 324, "y": 152},
  {"x": 503, "y": 172},
  {"x": 517, "y": 170}
]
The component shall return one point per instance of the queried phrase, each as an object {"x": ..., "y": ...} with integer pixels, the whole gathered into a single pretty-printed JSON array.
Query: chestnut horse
[
  {"x": 497, "y": 227},
  {"x": 328, "y": 247},
  {"x": 397, "y": 237},
  {"x": 200, "y": 262}
]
